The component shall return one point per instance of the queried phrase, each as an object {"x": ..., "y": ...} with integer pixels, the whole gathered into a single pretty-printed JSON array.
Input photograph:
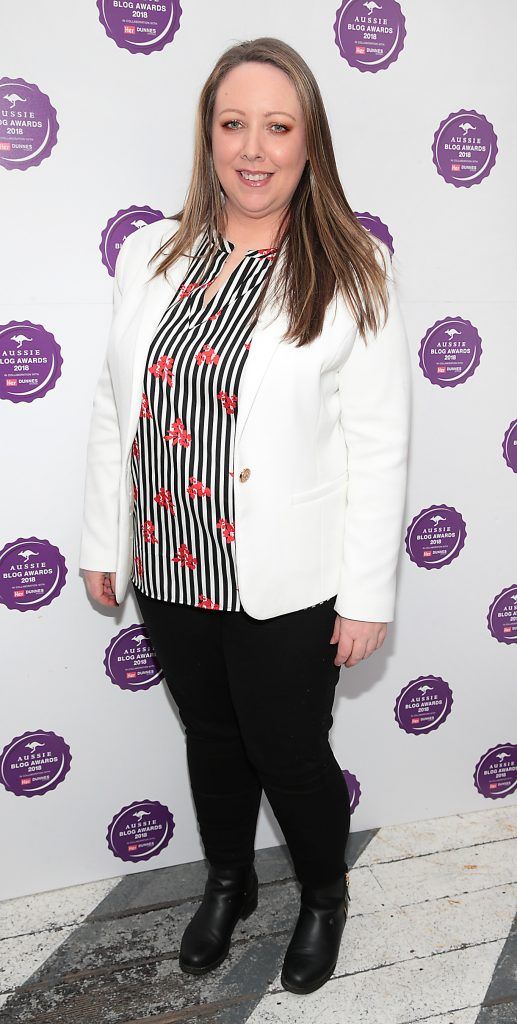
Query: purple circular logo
[
  {"x": 423, "y": 705},
  {"x": 34, "y": 763},
  {"x": 464, "y": 148},
  {"x": 370, "y": 35},
  {"x": 510, "y": 446},
  {"x": 140, "y": 27},
  {"x": 28, "y": 128},
  {"x": 124, "y": 223},
  {"x": 502, "y": 616},
  {"x": 354, "y": 789},
  {"x": 140, "y": 831},
  {"x": 435, "y": 536},
  {"x": 450, "y": 351},
  {"x": 32, "y": 573},
  {"x": 130, "y": 661},
  {"x": 30, "y": 361},
  {"x": 376, "y": 227},
  {"x": 496, "y": 771}
]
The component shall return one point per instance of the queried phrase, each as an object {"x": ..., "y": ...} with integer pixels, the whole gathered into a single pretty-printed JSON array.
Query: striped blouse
[{"x": 183, "y": 449}]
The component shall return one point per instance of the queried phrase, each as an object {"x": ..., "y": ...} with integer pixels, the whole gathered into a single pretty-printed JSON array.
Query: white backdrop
[{"x": 125, "y": 138}]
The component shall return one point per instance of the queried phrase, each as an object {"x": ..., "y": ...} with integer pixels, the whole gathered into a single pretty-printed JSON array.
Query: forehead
[{"x": 257, "y": 87}]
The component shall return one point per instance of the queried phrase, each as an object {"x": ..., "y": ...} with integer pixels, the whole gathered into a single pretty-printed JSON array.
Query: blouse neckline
[{"x": 226, "y": 246}]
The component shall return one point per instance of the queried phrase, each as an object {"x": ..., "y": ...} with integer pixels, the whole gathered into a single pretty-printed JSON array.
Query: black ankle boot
[
  {"x": 231, "y": 893},
  {"x": 312, "y": 953}
]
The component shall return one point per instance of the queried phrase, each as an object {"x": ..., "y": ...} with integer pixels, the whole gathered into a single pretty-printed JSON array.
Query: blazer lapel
[
  {"x": 158, "y": 293},
  {"x": 265, "y": 342}
]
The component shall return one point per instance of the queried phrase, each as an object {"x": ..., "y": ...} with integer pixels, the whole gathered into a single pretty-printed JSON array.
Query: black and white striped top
[{"x": 182, "y": 455}]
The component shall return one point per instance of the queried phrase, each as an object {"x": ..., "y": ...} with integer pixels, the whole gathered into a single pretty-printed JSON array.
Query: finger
[
  {"x": 97, "y": 591},
  {"x": 382, "y": 636},
  {"x": 357, "y": 653},
  {"x": 94, "y": 582},
  {"x": 345, "y": 647},
  {"x": 371, "y": 646}
]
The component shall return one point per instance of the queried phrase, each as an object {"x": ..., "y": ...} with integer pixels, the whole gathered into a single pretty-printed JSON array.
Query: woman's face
[{"x": 258, "y": 126}]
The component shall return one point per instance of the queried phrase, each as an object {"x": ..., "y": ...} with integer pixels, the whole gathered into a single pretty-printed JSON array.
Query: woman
[{"x": 248, "y": 473}]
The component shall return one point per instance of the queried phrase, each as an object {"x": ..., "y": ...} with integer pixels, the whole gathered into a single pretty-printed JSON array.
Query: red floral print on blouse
[
  {"x": 164, "y": 498},
  {"x": 207, "y": 355},
  {"x": 163, "y": 369},
  {"x": 205, "y": 602},
  {"x": 148, "y": 532},
  {"x": 196, "y": 488},
  {"x": 228, "y": 402},
  {"x": 145, "y": 412},
  {"x": 269, "y": 253},
  {"x": 228, "y": 529},
  {"x": 187, "y": 289},
  {"x": 178, "y": 434},
  {"x": 185, "y": 557}
]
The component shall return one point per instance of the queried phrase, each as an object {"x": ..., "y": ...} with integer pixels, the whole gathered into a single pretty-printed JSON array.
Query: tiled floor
[{"x": 431, "y": 936}]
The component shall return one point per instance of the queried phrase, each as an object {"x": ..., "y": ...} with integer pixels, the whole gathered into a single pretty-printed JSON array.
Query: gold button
[{"x": 244, "y": 474}]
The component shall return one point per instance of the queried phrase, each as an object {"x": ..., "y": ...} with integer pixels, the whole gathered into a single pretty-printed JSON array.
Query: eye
[{"x": 276, "y": 125}]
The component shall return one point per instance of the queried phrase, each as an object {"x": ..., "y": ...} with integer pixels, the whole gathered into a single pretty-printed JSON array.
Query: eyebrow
[{"x": 267, "y": 113}]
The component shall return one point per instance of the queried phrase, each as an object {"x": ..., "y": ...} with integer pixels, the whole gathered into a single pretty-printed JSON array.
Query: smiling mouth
[{"x": 257, "y": 178}]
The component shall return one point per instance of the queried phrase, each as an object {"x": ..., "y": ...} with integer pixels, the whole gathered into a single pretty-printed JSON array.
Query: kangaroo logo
[
  {"x": 372, "y": 6},
  {"x": 138, "y": 639},
  {"x": 502, "y": 755},
  {"x": 424, "y": 688},
  {"x": 451, "y": 331},
  {"x": 28, "y": 553},
  {"x": 13, "y": 98},
  {"x": 34, "y": 744},
  {"x": 437, "y": 519},
  {"x": 466, "y": 126},
  {"x": 20, "y": 338},
  {"x": 141, "y": 814}
]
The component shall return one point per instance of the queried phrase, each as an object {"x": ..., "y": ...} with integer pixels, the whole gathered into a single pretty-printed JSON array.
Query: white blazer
[{"x": 321, "y": 446}]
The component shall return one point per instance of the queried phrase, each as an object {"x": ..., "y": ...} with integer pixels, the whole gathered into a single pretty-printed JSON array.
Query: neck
[{"x": 249, "y": 232}]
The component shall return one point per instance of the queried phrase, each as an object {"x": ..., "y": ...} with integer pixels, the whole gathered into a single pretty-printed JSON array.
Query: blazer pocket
[{"x": 322, "y": 490}]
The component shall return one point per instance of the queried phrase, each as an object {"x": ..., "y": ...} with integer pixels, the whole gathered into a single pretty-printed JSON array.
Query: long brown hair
[{"x": 323, "y": 245}]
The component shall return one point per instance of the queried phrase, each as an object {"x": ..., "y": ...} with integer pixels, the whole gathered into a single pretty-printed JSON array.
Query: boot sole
[
  {"x": 188, "y": 969},
  {"x": 305, "y": 989},
  {"x": 207, "y": 967}
]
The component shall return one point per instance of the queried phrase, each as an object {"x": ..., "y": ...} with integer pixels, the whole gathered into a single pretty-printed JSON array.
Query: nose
[{"x": 252, "y": 148}]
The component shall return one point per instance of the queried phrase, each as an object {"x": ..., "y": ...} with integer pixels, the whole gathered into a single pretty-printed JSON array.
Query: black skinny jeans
[{"x": 255, "y": 697}]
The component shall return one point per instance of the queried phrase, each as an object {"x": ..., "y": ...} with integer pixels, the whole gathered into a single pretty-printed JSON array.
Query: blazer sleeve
[
  {"x": 99, "y": 537},
  {"x": 375, "y": 411}
]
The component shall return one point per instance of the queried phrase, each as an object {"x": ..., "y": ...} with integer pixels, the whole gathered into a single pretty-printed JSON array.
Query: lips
[{"x": 259, "y": 182}]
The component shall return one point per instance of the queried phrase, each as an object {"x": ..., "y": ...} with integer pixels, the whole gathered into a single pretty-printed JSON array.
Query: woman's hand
[
  {"x": 356, "y": 640},
  {"x": 101, "y": 586}
]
